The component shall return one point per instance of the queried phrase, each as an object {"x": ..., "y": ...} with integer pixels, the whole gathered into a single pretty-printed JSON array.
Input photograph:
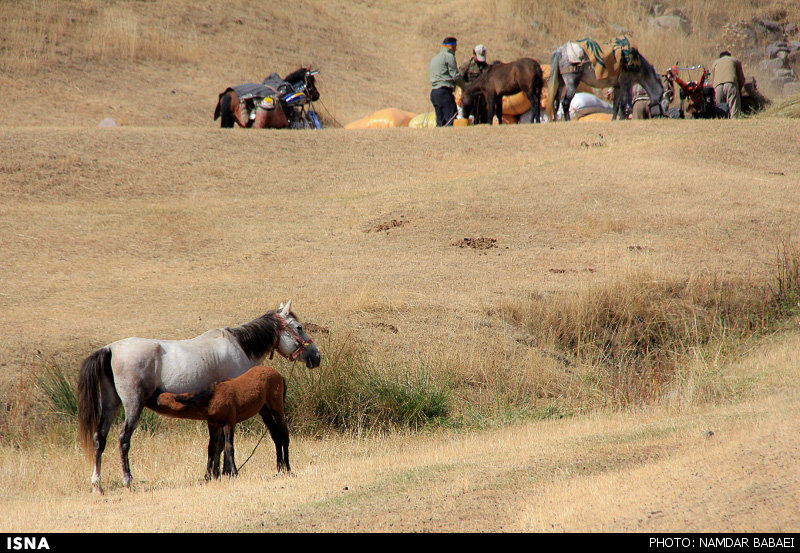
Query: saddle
[{"x": 608, "y": 59}]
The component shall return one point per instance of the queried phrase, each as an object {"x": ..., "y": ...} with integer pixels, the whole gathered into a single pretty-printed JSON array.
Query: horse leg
[
  {"x": 214, "y": 451},
  {"x": 535, "y": 98},
  {"x": 110, "y": 403},
  {"x": 132, "y": 413},
  {"x": 618, "y": 104},
  {"x": 229, "y": 464},
  {"x": 491, "y": 107},
  {"x": 275, "y": 421},
  {"x": 571, "y": 86}
]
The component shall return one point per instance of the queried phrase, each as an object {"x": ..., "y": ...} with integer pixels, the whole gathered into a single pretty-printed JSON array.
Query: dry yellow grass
[
  {"x": 166, "y": 227},
  {"x": 722, "y": 469}
]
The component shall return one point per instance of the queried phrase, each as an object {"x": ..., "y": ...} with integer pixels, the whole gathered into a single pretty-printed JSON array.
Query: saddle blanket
[
  {"x": 608, "y": 59},
  {"x": 273, "y": 85}
]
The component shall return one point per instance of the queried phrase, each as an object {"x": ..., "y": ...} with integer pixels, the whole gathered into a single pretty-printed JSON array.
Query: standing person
[
  {"x": 476, "y": 64},
  {"x": 444, "y": 78},
  {"x": 728, "y": 77}
]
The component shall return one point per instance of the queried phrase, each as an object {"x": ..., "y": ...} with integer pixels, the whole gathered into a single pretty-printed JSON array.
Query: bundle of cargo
[
  {"x": 518, "y": 104},
  {"x": 423, "y": 120},
  {"x": 598, "y": 116},
  {"x": 383, "y": 119}
]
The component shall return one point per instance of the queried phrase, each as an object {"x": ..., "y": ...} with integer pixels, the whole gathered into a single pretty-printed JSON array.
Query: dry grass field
[{"x": 430, "y": 251}]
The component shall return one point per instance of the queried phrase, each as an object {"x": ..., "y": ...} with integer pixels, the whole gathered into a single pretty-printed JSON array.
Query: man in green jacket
[
  {"x": 444, "y": 78},
  {"x": 728, "y": 78}
]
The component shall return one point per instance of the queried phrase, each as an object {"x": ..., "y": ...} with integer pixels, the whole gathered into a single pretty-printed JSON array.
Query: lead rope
[{"x": 264, "y": 433}]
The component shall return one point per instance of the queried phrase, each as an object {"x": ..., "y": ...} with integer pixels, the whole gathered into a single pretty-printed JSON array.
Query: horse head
[
  {"x": 473, "y": 100},
  {"x": 647, "y": 76},
  {"x": 293, "y": 342},
  {"x": 311, "y": 85}
]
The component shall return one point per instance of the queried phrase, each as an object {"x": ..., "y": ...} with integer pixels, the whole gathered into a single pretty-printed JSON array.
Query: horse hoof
[{"x": 96, "y": 489}]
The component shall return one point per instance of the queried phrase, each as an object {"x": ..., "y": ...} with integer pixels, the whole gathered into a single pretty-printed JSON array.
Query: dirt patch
[
  {"x": 599, "y": 142},
  {"x": 386, "y": 326},
  {"x": 385, "y": 227},
  {"x": 479, "y": 243},
  {"x": 316, "y": 329}
]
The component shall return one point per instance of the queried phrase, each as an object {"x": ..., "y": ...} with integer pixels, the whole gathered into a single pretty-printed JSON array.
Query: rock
[
  {"x": 771, "y": 30},
  {"x": 792, "y": 61},
  {"x": 672, "y": 23},
  {"x": 783, "y": 76},
  {"x": 769, "y": 67},
  {"x": 108, "y": 122},
  {"x": 775, "y": 48},
  {"x": 790, "y": 89}
]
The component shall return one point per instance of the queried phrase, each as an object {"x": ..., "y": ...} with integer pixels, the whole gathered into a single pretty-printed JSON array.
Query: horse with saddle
[{"x": 275, "y": 103}]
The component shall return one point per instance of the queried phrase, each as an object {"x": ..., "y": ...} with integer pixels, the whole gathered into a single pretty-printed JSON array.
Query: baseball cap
[{"x": 480, "y": 52}]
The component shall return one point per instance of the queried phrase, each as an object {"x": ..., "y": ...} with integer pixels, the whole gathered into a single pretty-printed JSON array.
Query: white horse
[
  {"x": 616, "y": 64},
  {"x": 132, "y": 372}
]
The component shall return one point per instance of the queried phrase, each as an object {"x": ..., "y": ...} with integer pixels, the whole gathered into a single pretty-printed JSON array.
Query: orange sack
[{"x": 383, "y": 119}]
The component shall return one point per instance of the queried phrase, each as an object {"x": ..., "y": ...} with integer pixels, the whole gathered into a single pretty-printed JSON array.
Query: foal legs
[
  {"x": 229, "y": 463},
  {"x": 214, "y": 451},
  {"x": 275, "y": 421}
]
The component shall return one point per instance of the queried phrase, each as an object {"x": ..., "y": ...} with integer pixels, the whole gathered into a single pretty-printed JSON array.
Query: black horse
[{"x": 276, "y": 103}]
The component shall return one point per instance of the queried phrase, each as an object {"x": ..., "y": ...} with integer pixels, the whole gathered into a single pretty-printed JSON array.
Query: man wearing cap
[
  {"x": 476, "y": 64},
  {"x": 444, "y": 78}
]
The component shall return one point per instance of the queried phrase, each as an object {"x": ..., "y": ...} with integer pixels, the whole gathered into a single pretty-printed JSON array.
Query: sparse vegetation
[{"x": 619, "y": 319}]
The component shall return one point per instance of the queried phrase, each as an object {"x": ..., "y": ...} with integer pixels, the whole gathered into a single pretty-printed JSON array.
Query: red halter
[{"x": 302, "y": 343}]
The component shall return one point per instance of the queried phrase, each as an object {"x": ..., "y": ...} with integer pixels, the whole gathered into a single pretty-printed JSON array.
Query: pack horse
[
  {"x": 616, "y": 64},
  {"x": 275, "y": 103},
  {"x": 133, "y": 372}
]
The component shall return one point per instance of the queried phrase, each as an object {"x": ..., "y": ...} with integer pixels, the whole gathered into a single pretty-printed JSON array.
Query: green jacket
[{"x": 444, "y": 71}]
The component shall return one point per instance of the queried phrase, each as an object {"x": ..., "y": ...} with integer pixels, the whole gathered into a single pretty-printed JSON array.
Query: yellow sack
[
  {"x": 383, "y": 119},
  {"x": 596, "y": 117},
  {"x": 423, "y": 121}
]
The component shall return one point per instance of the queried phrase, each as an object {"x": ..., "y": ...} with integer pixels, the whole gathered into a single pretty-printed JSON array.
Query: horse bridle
[{"x": 302, "y": 343}]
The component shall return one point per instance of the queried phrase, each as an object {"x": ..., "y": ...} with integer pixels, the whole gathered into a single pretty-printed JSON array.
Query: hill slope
[{"x": 163, "y": 63}]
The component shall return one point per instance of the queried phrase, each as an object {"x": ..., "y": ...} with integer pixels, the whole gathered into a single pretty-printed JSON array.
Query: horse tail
[
  {"x": 552, "y": 86},
  {"x": 97, "y": 364}
]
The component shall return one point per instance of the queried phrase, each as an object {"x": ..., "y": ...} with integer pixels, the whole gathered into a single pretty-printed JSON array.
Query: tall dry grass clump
[
  {"x": 788, "y": 107},
  {"x": 116, "y": 32},
  {"x": 37, "y": 35},
  {"x": 637, "y": 336}
]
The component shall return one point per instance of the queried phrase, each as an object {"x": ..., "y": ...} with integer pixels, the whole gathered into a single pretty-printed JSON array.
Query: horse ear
[{"x": 285, "y": 308}]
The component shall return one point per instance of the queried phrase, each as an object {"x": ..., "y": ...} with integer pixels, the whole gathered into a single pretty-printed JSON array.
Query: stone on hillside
[
  {"x": 107, "y": 122},
  {"x": 789, "y": 89},
  {"x": 768, "y": 67},
  {"x": 672, "y": 23},
  {"x": 774, "y": 49}
]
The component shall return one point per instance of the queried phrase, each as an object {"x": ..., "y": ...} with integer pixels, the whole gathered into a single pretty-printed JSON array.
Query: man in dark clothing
[
  {"x": 444, "y": 78},
  {"x": 476, "y": 64}
]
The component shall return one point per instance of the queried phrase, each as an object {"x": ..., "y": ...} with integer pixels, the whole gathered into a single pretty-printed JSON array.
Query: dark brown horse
[
  {"x": 261, "y": 390},
  {"x": 265, "y": 105},
  {"x": 504, "y": 79}
]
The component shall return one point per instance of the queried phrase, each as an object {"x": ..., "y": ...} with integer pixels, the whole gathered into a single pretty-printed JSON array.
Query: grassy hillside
[
  {"x": 595, "y": 324},
  {"x": 163, "y": 63}
]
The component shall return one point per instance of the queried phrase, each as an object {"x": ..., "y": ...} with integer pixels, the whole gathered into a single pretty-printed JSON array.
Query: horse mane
[
  {"x": 257, "y": 337},
  {"x": 296, "y": 75}
]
